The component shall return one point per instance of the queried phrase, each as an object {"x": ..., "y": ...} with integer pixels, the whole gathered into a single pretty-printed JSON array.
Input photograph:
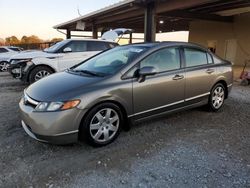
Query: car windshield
[
  {"x": 56, "y": 47},
  {"x": 111, "y": 61},
  {"x": 15, "y": 49}
]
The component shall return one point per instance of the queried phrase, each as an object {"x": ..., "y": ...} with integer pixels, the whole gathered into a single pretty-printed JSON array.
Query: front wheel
[
  {"x": 4, "y": 66},
  {"x": 102, "y": 124},
  {"x": 38, "y": 73},
  {"x": 217, "y": 97}
]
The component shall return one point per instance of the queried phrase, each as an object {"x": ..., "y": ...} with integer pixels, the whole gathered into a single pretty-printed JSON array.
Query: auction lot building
[{"x": 223, "y": 26}]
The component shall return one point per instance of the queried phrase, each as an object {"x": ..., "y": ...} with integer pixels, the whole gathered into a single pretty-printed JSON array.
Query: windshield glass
[
  {"x": 15, "y": 49},
  {"x": 56, "y": 47},
  {"x": 111, "y": 61}
]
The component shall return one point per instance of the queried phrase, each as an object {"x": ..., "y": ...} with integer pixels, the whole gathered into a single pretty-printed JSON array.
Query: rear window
[{"x": 209, "y": 58}]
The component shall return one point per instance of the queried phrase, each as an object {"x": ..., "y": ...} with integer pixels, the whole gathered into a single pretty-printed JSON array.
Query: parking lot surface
[{"x": 193, "y": 148}]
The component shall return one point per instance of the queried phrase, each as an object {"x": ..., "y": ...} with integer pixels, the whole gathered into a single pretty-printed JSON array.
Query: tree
[
  {"x": 12, "y": 40},
  {"x": 56, "y": 40},
  {"x": 24, "y": 40},
  {"x": 33, "y": 39},
  {"x": 2, "y": 42}
]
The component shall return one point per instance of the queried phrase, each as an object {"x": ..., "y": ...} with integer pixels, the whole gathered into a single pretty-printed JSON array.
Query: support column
[
  {"x": 94, "y": 32},
  {"x": 130, "y": 38},
  {"x": 68, "y": 35},
  {"x": 149, "y": 23}
]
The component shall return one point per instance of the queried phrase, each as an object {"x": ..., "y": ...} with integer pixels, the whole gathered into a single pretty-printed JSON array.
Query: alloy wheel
[
  {"x": 104, "y": 125},
  {"x": 4, "y": 66},
  {"x": 41, "y": 74},
  {"x": 218, "y": 97}
]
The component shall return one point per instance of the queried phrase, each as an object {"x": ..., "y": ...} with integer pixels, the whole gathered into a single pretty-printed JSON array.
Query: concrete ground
[{"x": 194, "y": 148}]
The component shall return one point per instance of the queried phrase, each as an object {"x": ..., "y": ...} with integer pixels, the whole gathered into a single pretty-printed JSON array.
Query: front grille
[{"x": 29, "y": 101}]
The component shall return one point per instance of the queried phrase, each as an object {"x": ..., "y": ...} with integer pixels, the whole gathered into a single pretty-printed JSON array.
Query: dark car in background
[{"x": 95, "y": 99}]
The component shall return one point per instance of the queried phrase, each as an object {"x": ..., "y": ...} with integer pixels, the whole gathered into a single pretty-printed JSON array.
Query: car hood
[
  {"x": 32, "y": 54},
  {"x": 6, "y": 56},
  {"x": 60, "y": 87}
]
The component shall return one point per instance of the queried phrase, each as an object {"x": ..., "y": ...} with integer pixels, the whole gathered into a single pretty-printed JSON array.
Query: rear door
[
  {"x": 164, "y": 90},
  {"x": 199, "y": 72}
]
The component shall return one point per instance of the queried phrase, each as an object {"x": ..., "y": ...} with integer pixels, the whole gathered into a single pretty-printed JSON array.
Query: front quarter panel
[
  {"x": 49, "y": 61},
  {"x": 118, "y": 91}
]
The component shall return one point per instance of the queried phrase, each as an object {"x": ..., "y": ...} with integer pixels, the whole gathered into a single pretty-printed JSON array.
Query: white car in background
[
  {"x": 5, "y": 53},
  {"x": 32, "y": 66}
]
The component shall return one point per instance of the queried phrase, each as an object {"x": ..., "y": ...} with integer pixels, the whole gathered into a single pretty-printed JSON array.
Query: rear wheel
[
  {"x": 4, "y": 66},
  {"x": 102, "y": 124},
  {"x": 217, "y": 97},
  {"x": 39, "y": 72}
]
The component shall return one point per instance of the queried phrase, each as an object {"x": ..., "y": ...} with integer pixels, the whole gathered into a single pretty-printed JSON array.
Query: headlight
[
  {"x": 16, "y": 61},
  {"x": 56, "y": 106}
]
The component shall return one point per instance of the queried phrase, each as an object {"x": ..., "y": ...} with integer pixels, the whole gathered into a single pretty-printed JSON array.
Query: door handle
[
  {"x": 178, "y": 77},
  {"x": 209, "y": 71}
]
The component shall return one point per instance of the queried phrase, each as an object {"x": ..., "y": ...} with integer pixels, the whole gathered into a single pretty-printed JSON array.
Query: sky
[{"x": 27, "y": 17}]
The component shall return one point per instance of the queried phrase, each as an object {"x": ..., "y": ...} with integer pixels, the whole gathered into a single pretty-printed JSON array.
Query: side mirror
[
  {"x": 67, "y": 50},
  {"x": 146, "y": 71}
]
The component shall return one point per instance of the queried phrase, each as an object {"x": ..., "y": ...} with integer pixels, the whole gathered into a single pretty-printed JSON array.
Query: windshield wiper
[{"x": 87, "y": 72}]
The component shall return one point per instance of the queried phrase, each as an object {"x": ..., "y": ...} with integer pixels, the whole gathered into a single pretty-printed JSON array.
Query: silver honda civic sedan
[{"x": 98, "y": 98}]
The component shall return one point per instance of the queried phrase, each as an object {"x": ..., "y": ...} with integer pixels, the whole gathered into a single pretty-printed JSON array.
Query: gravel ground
[{"x": 187, "y": 149}]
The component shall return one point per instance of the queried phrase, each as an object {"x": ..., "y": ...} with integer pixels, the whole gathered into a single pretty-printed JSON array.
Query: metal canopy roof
[{"x": 169, "y": 14}]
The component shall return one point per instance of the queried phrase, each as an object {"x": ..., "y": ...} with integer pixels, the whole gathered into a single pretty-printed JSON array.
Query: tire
[
  {"x": 244, "y": 82},
  {"x": 216, "y": 98},
  {"x": 4, "y": 66},
  {"x": 98, "y": 130},
  {"x": 39, "y": 72}
]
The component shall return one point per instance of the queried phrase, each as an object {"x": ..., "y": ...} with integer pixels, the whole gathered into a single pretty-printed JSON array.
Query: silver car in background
[{"x": 99, "y": 97}]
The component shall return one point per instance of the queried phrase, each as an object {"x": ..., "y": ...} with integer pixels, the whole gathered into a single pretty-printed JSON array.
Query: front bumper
[
  {"x": 59, "y": 127},
  {"x": 20, "y": 70},
  {"x": 66, "y": 138}
]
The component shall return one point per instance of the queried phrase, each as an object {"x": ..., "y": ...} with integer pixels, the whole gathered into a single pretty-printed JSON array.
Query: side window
[
  {"x": 217, "y": 60},
  {"x": 163, "y": 60},
  {"x": 96, "y": 46},
  {"x": 209, "y": 58},
  {"x": 194, "y": 57},
  {"x": 77, "y": 46},
  {"x": 2, "y": 50}
]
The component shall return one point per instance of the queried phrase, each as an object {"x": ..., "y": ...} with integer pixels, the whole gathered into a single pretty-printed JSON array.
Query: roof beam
[
  {"x": 170, "y": 5},
  {"x": 128, "y": 15},
  {"x": 198, "y": 16}
]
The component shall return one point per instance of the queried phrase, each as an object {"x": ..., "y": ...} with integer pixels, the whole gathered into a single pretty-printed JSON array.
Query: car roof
[
  {"x": 97, "y": 40},
  {"x": 8, "y": 47},
  {"x": 166, "y": 43}
]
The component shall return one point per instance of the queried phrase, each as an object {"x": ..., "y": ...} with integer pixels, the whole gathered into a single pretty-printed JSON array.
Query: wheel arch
[
  {"x": 224, "y": 83},
  {"x": 40, "y": 65},
  {"x": 126, "y": 125}
]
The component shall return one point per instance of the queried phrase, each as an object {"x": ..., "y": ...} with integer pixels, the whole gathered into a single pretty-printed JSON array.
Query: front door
[{"x": 163, "y": 90}]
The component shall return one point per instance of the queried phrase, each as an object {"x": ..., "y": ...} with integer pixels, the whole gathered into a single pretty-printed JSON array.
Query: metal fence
[{"x": 34, "y": 46}]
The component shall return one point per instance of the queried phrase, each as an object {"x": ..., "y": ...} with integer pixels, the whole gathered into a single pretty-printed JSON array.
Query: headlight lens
[
  {"x": 56, "y": 106},
  {"x": 16, "y": 61}
]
